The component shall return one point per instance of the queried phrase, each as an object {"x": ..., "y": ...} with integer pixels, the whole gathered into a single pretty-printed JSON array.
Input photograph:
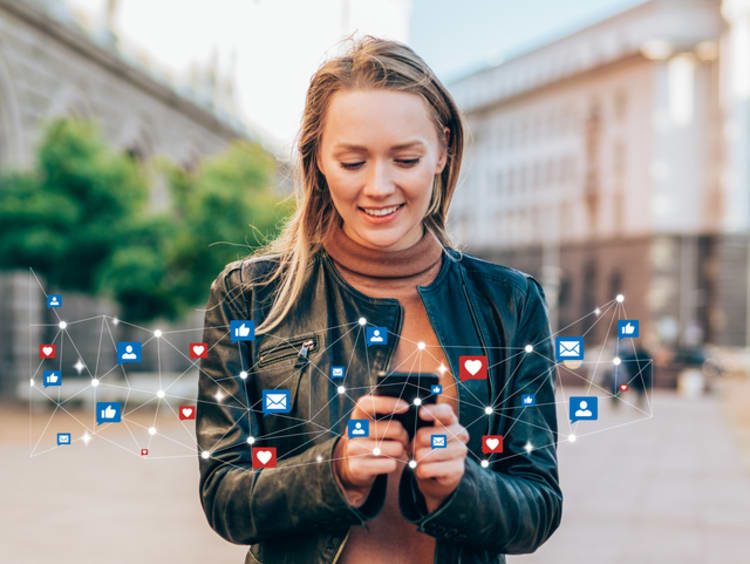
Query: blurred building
[
  {"x": 53, "y": 65},
  {"x": 615, "y": 159}
]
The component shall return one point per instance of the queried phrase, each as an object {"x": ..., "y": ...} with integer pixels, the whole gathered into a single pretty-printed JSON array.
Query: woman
[{"x": 380, "y": 149}]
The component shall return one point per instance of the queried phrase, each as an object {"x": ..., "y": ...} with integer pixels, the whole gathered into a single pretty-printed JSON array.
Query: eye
[
  {"x": 404, "y": 162},
  {"x": 351, "y": 165},
  {"x": 408, "y": 162}
]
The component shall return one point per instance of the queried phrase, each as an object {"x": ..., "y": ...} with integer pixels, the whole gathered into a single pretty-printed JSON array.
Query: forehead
[{"x": 376, "y": 116}]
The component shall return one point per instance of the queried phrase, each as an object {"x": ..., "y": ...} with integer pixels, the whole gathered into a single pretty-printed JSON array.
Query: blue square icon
[
  {"x": 438, "y": 441},
  {"x": 568, "y": 348},
  {"x": 277, "y": 401},
  {"x": 583, "y": 408},
  {"x": 52, "y": 378},
  {"x": 436, "y": 389},
  {"x": 527, "y": 400},
  {"x": 337, "y": 371},
  {"x": 627, "y": 328},
  {"x": 108, "y": 412},
  {"x": 63, "y": 438},
  {"x": 128, "y": 352},
  {"x": 358, "y": 428},
  {"x": 377, "y": 335},
  {"x": 54, "y": 300},
  {"x": 242, "y": 330}
]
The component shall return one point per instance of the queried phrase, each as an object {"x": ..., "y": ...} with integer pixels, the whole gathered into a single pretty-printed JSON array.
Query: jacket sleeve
[
  {"x": 243, "y": 505},
  {"x": 515, "y": 504}
]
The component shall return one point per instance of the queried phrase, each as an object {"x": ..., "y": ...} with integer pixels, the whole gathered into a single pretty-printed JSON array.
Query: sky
[{"x": 272, "y": 47}]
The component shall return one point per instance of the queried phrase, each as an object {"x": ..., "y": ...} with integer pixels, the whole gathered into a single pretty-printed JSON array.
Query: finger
[
  {"x": 455, "y": 432},
  {"x": 389, "y": 429},
  {"x": 440, "y": 470},
  {"x": 368, "y": 405},
  {"x": 366, "y": 447},
  {"x": 441, "y": 413},
  {"x": 367, "y": 467},
  {"x": 452, "y": 451}
]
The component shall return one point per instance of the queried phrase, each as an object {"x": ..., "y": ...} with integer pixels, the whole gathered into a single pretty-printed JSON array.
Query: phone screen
[{"x": 407, "y": 386}]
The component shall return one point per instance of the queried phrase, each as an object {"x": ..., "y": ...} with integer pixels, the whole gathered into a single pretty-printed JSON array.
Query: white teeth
[{"x": 384, "y": 211}]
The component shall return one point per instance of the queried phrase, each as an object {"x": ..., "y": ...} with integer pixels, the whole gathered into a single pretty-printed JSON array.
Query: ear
[{"x": 444, "y": 153}]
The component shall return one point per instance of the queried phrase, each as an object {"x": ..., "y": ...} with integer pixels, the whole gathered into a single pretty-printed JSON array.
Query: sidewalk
[{"x": 672, "y": 488}]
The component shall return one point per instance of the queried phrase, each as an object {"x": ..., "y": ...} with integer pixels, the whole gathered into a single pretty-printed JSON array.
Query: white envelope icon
[
  {"x": 569, "y": 348},
  {"x": 276, "y": 401},
  {"x": 438, "y": 441}
]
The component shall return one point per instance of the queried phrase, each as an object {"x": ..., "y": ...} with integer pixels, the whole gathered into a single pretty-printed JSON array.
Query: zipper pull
[{"x": 302, "y": 358}]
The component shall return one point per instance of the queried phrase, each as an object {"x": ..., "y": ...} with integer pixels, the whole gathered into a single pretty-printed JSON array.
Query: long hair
[{"x": 371, "y": 63}]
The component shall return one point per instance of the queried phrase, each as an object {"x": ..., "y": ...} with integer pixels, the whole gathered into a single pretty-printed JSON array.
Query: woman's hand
[
  {"x": 439, "y": 470},
  {"x": 356, "y": 464}
]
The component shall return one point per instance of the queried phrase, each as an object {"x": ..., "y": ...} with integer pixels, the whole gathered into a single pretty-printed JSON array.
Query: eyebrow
[{"x": 353, "y": 147}]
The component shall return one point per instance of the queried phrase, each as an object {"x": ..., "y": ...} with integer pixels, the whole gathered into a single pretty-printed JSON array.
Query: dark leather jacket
[{"x": 296, "y": 512}]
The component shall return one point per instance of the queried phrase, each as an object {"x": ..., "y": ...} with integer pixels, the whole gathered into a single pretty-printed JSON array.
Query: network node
[
  {"x": 205, "y": 455},
  {"x": 376, "y": 451},
  {"x": 243, "y": 375},
  {"x": 157, "y": 333},
  {"x": 571, "y": 438},
  {"x": 115, "y": 321},
  {"x": 219, "y": 396},
  {"x": 160, "y": 394},
  {"x": 528, "y": 348},
  {"x": 319, "y": 458},
  {"x": 31, "y": 382},
  {"x": 442, "y": 368},
  {"x": 86, "y": 438},
  {"x": 412, "y": 464},
  {"x": 95, "y": 382},
  {"x": 250, "y": 440},
  {"x": 362, "y": 321},
  {"x": 62, "y": 325},
  {"x": 485, "y": 463},
  {"x": 152, "y": 430},
  {"x": 620, "y": 298},
  {"x": 597, "y": 311},
  {"x": 488, "y": 410},
  {"x": 528, "y": 447},
  {"x": 616, "y": 361},
  {"x": 417, "y": 401},
  {"x": 79, "y": 366},
  {"x": 341, "y": 389},
  {"x": 421, "y": 345}
]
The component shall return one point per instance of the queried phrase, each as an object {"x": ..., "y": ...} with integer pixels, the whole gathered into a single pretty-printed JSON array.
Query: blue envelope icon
[
  {"x": 276, "y": 401},
  {"x": 569, "y": 348}
]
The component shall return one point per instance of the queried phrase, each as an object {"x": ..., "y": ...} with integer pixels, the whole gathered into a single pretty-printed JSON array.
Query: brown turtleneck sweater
[{"x": 396, "y": 274}]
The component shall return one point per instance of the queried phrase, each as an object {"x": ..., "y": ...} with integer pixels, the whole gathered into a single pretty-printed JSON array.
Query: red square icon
[
  {"x": 472, "y": 368},
  {"x": 187, "y": 412},
  {"x": 492, "y": 443},
  {"x": 144, "y": 452},
  {"x": 264, "y": 457},
  {"x": 198, "y": 350},
  {"x": 624, "y": 387},
  {"x": 47, "y": 351}
]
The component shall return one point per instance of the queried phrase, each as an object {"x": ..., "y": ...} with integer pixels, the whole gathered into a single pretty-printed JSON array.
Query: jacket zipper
[
  {"x": 288, "y": 349},
  {"x": 385, "y": 367}
]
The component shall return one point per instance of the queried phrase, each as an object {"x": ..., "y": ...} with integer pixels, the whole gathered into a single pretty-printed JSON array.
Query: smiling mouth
[{"x": 380, "y": 212}]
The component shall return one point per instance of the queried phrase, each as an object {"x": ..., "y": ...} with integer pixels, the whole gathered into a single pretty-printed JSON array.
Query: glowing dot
[
  {"x": 571, "y": 438},
  {"x": 488, "y": 410},
  {"x": 376, "y": 451},
  {"x": 319, "y": 458},
  {"x": 157, "y": 333},
  {"x": 412, "y": 464},
  {"x": 219, "y": 396},
  {"x": 616, "y": 361},
  {"x": 528, "y": 348},
  {"x": 152, "y": 430},
  {"x": 62, "y": 325},
  {"x": 115, "y": 321},
  {"x": 417, "y": 401},
  {"x": 86, "y": 438},
  {"x": 597, "y": 311},
  {"x": 243, "y": 375},
  {"x": 160, "y": 394},
  {"x": 341, "y": 389},
  {"x": 620, "y": 298},
  {"x": 528, "y": 446},
  {"x": 31, "y": 382},
  {"x": 95, "y": 382},
  {"x": 250, "y": 440},
  {"x": 421, "y": 345},
  {"x": 442, "y": 368},
  {"x": 362, "y": 321},
  {"x": 485, "y": 463},
  {"x": 205, "y": 455},
  {"x": 79, "y": 366}
]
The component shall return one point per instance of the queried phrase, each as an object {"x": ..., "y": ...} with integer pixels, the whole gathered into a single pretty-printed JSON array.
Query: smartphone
[{"x": 407, "y": 386}]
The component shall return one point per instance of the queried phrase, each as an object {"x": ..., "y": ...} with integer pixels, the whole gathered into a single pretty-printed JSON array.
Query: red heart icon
[
  {"x": 47, "y": 351},
  {"x": 187, "y": 412},
  {"x": 198, "y": 350},
  {"x": 623, "y": 387}
]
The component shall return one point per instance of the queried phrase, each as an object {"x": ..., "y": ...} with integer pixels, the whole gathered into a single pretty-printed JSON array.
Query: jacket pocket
[{"x": 300, "y": 348}]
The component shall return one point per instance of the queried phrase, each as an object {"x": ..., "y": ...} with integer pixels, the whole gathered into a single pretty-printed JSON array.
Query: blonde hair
[{"x": 371, "y": 63}]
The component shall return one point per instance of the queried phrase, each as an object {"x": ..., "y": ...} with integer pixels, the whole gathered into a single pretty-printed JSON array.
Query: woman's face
[{"x": 380, "y": 151}]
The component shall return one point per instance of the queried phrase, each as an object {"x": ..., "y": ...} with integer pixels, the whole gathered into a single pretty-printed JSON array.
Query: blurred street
[{"x": 672, "y": 488}]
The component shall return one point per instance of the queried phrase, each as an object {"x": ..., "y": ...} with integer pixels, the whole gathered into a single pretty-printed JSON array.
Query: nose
[{"x": 379, "y": 184}]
